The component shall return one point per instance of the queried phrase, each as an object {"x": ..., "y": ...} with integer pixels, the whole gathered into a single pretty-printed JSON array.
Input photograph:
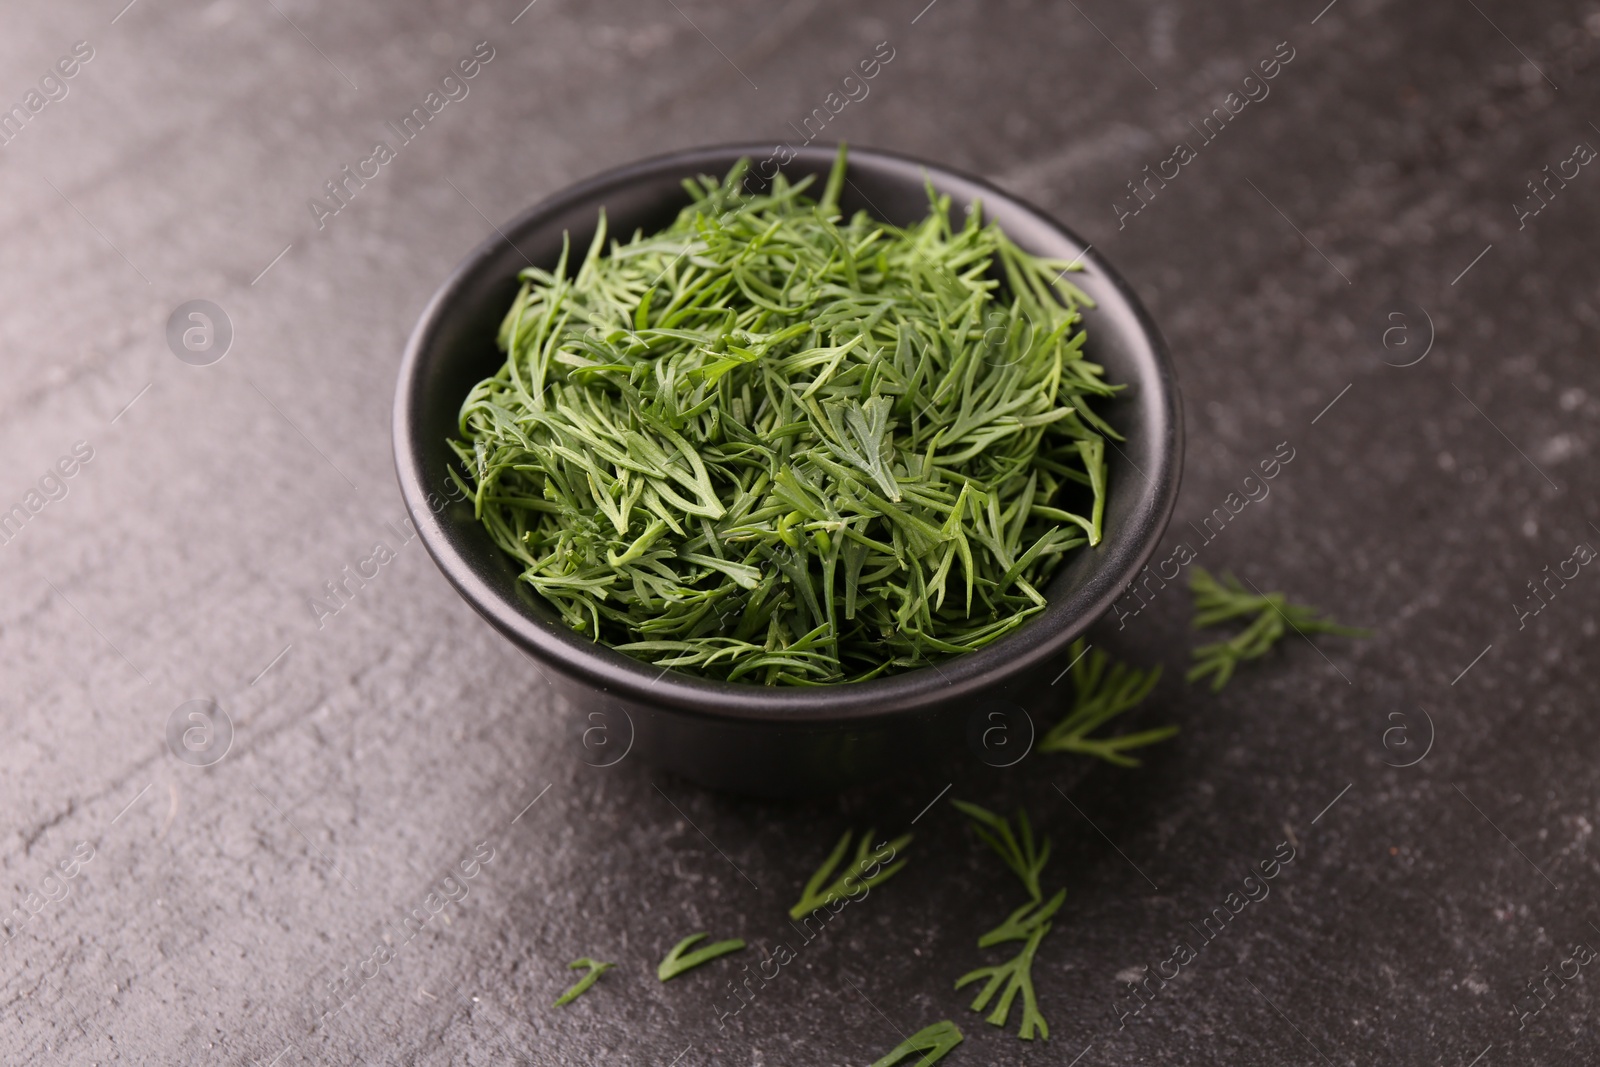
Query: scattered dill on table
[
  {"x": 929, "y": 1045},
  {"x": 774, "y": 444},
  {"x": 1102, "y": 690},
  {"x": 679, "y": 959},
  {"x": 594, "y": 970},
  {"x": 1218, "y": 602},
  {"x": 854, "y": 877},
  {"x": 1028, "y": 923}
]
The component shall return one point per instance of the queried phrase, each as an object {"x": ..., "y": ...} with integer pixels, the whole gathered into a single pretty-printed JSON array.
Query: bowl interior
[{"x": 454, "y": 347}]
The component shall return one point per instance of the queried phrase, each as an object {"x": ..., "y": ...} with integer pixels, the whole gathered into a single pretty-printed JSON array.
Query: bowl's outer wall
[{"x": 782, "y": 740}]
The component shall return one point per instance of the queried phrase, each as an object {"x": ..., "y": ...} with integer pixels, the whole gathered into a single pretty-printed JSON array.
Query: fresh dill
[
  {"x": 1016, "y": 976},
  {"x": 774, "y": 444},
  {"x": 595, "y": 970},
  {"x": 1102, "y": 690},
  {"x": 1027, "y": 924},
  {"x": 1273, "y": 616},
  {"x": 1016, "y": 849},
  {"x": 680, "y": 959},
  {"x": 1020, "y": 924},
  {"x": 852, "y": 879},
  {"x": 929, "y": 1045}
]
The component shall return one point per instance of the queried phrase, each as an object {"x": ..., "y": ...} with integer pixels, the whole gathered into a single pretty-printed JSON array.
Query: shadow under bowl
[{"x": 750, "y": 738}]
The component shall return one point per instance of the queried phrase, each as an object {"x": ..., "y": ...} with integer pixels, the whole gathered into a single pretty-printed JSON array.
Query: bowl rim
[{"x": 914, "y": 691}]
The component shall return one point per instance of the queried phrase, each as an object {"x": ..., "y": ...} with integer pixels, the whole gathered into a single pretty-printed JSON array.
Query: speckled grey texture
[{"x": 399, "y": 738}]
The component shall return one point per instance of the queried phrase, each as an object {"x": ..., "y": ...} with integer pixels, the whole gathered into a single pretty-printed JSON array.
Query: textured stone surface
[{"x": 385, "y": 745}]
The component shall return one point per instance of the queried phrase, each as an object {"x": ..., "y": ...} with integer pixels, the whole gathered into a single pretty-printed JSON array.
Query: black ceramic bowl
[{"x": 785, "y": 740}]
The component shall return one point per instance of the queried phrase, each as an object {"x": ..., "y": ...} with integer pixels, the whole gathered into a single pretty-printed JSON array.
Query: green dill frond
[
  {"x": 1271, "y": 616},
  {"x": 1102, "y": 690}
]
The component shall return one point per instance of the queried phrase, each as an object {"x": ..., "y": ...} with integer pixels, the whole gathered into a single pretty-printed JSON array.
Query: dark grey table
[{"x": 1435, "y": 784}]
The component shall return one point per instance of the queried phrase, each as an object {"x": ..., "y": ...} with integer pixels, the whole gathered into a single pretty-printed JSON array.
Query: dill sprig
[
  {"x": 1217, "y": 602},
  {"x": 596, "y": 969},
  {"x": 854, "y": 876},
  {"x": 1102, "y": 690},
  {"x": 1020, "y": 924},
  {"x": 1027, "y": 924},
  {"x": 1017, "y": 850},
  {"x": 1016, "y": 976},
  {"x": 773, "y": 444},
  {"x": 680, "y": 959},
  {"x": 929, "y": 1045}
]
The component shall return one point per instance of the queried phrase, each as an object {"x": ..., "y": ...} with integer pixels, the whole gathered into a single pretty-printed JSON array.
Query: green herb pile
[{"x": 775, "y": 445}]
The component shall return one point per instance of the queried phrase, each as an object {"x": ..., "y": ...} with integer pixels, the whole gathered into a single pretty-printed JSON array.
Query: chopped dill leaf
[
  {"x": 680, "y": 959},
  {"x": 596, "y": 969},
  {"x": 1027, "y": 924},
  {"x": 853, "y": 878},
  {"x": 1217, "y": 602},
  {"x": 1017, "y": 850},
  {"x": 929, "y": 1045},
  {"x": 1102, "y": 690}
]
